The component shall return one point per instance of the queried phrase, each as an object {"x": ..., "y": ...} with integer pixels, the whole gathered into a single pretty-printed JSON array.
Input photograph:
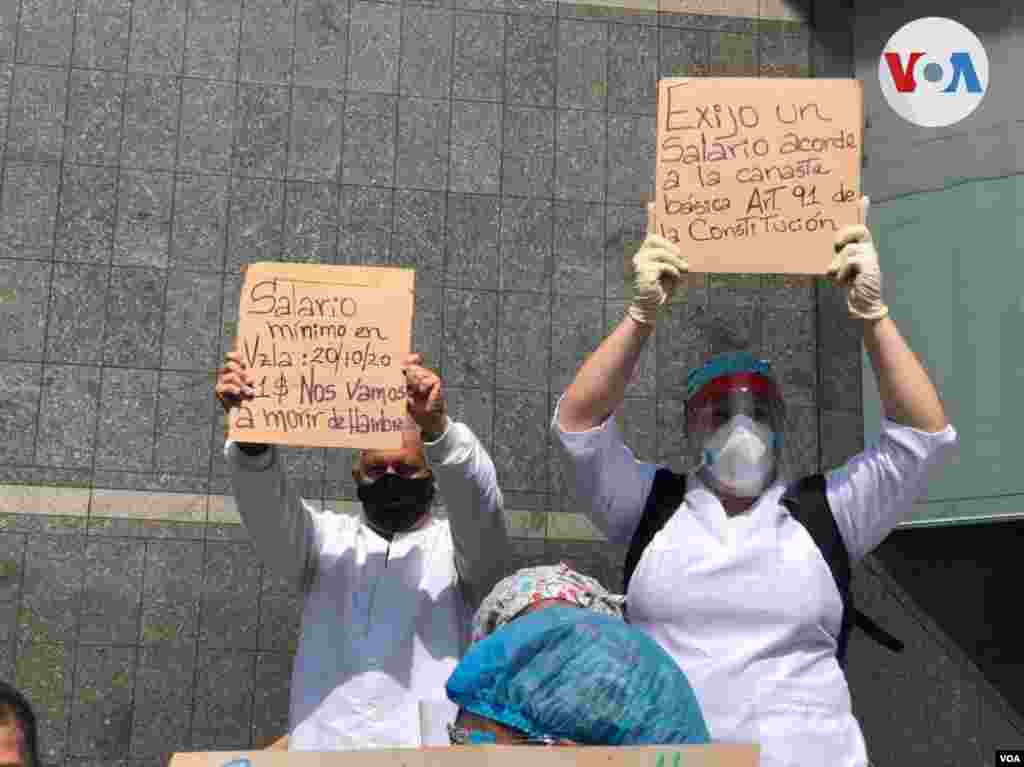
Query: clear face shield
[
  {"x": 707, "y": 416},
  {"x": 737, "y": 422}
]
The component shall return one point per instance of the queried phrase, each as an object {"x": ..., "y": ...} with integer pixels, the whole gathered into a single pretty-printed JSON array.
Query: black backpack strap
[
  {"x": 807, "y": 502},
  {"x": 667, "y": 493},
  {"x": 876, "y": 632}
]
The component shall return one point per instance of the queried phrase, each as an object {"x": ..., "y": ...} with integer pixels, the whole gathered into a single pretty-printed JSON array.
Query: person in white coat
[
  {"x": 389, "y": 596},
  {"x": 733, "y": 586}
]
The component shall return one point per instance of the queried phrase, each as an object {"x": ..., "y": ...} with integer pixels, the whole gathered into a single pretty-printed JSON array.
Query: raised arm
[
  {"x": 600, "y": 385},
  {"x": 607, "y": 481},
  {"x": 907, "y": 393},
  {"x": 468, "y": 483},
  {"x": 282, "y": 526},
  {"x": 877, "y": 488}
]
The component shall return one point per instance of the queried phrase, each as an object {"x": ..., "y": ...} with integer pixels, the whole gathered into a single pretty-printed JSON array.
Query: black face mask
[{"x": 393, "y": 504}]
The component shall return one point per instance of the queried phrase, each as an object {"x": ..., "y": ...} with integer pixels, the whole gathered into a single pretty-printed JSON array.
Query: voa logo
[{"x": 933, "y": 72}]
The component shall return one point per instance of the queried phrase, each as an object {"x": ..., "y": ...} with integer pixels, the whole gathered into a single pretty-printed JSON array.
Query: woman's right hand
[{"x": 657, "y": 269}]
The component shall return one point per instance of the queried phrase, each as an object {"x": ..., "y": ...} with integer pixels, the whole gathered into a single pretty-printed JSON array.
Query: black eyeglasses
[{"x": 463, "y": 736}]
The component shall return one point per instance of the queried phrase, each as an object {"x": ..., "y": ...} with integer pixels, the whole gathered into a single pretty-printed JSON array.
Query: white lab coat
[
  {"x": 384, "y": 623},
  {"x": 747, "y": 605}
]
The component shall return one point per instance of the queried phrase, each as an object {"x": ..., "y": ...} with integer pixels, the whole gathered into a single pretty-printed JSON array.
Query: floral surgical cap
[
  {"x": 575, "y": 675},
  {"x": 530, "y": 585}
]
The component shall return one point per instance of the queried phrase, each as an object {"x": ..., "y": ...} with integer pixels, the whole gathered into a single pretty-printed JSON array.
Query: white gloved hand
[
  {"x": 658, "y": 267},
  {"x": 856, "y": 269}
]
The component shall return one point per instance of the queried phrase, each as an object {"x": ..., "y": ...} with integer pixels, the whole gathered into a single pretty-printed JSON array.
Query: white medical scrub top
[
  {"x": 384, "y": 622},
  {"x": 747, "y": 605}
]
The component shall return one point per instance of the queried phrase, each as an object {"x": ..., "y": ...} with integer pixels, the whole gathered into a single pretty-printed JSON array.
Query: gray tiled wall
[{"x": 151, "y": 148}]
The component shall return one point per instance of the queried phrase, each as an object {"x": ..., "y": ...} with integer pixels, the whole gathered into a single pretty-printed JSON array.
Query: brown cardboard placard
[
  {"x": 327, "y": 345},
  {"x": 758, "y": 174},
  {"x": 716, "y": 755}
]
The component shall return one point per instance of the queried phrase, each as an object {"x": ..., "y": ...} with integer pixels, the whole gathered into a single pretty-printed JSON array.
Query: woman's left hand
[{"x": 855, "y": 268}]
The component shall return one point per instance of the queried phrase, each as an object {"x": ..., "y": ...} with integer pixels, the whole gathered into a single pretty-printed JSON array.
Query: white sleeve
[
  {"x": 606, "y": 478},
  {"x": 284, "y": 528},
  {"x": 468, "y": 483},
  {"x": 876, "y": 489}
]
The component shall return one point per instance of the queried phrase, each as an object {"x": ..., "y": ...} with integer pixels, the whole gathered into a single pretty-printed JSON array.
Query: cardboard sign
[
  {"x": 719, "y": 755},
  {"x": 327, "y": 345},
  {"x": 758, "y": 175}
]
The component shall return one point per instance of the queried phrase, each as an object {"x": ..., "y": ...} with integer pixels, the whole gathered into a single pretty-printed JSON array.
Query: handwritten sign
[
  {"x": 326, "y": 344},
  {"x": 715, "y": 755},
  {"x": 757, "y": 175}
]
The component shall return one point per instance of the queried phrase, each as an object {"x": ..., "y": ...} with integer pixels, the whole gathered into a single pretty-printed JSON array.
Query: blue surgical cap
[
  {"x": 723, "y": 365},
  {"x": 577, "y": 675}
]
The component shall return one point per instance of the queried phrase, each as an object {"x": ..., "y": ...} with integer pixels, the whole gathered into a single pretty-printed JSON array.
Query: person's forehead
[
  {"x": 407, "y": 454},
  {"x": 735, "y": 396},
  {"x": 739, "y": 388}
]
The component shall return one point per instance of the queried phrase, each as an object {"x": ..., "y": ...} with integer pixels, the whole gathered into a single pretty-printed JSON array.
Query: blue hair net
[
  {"x": 577, "y": 675},
  {"x": 722, "y": 365}
]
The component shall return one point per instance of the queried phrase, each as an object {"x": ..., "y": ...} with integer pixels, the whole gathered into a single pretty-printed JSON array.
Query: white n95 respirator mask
[{"x": 740, "y": 456}]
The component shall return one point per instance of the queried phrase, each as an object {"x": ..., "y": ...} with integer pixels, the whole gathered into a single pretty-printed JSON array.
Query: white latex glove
[
  {"x": 657, "y": 266},
  {"x": 856, "y": 269}
]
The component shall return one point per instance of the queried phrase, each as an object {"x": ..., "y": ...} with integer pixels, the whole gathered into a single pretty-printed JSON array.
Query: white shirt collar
[
  {"x": 704, "y": 504},
  {"x": 401, "y": 542}
]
